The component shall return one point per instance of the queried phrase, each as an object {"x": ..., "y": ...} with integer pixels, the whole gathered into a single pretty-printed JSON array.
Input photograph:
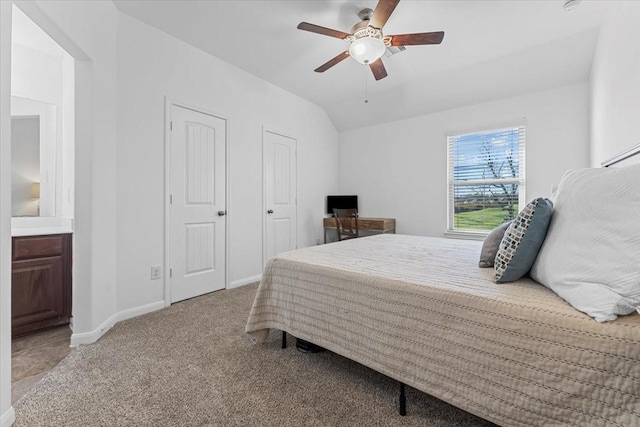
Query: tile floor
[{"x": 33, "y": 356}]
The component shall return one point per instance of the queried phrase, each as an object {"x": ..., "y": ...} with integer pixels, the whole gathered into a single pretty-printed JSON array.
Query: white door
[
  {"x": 197, "y": 221},
  {"x": 280, "y": 173}
]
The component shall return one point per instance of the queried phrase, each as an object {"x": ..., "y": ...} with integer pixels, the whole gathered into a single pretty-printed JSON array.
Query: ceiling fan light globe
[{"x": 367, "y": 50}]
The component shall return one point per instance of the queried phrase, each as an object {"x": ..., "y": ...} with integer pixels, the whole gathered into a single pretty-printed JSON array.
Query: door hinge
[
  {"x": 170, "y": 199},
  {"x": 170, "y": 272},
  {"x": 170, "y": 125}
]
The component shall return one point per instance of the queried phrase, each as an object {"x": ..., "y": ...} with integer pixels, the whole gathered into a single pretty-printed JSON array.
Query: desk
[{"x": 376, "y": 225}]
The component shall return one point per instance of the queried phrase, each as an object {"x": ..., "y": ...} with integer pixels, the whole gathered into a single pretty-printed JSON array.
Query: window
[{"x": 486, "y": 178}]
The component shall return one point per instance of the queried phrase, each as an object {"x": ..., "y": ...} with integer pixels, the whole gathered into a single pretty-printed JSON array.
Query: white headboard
[{"x": 627, "y": 157}]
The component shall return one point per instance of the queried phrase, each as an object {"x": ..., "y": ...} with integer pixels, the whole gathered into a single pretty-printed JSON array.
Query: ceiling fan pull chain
[{"x": 366, "y": 90}]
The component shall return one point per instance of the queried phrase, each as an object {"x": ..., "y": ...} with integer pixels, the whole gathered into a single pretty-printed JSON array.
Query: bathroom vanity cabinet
[{"x": 40, "y": 282}]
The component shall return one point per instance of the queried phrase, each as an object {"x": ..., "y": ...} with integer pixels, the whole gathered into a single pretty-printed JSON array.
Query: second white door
[
  {"x": 197, "y": 221},
  {"x": 280, "y": 193}
]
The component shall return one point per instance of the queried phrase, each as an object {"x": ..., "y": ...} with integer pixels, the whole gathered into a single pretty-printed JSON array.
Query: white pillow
[{"x": 591, "y": 255}]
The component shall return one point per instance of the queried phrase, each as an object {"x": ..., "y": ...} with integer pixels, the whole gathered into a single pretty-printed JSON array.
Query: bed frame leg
[
  {"x": 284, "y": 339},
  {"x": 403, "y": 401}
]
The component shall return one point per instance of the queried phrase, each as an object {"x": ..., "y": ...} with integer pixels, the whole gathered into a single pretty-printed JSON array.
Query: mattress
[{"x": 420, "y": 310}]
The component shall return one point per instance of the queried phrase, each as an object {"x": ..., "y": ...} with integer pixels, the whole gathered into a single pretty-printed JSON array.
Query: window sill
[{"x": 466, "y": 235}]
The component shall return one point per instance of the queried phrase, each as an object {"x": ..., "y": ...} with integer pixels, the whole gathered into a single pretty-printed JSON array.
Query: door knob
[
  {"x": 270, "y": 211},
  {"x": 222, "y": 213}
]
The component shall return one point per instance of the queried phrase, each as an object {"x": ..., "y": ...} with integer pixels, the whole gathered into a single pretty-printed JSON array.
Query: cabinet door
[{"x": 37, "y": 293}]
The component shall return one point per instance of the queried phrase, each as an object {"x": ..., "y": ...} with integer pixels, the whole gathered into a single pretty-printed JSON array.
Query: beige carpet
[{"x": 191, "y": 365}]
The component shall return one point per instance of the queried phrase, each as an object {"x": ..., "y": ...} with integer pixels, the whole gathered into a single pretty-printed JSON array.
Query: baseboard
[
  {"x": 8, "y": 418},
  {"x": 96, "y": 334},
  {"x": 139, "y": 311},
  {"x": 242, "y": 282}
]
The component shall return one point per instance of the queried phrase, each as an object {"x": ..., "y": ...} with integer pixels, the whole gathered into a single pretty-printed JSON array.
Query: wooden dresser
[{"x": 40, "y": 282}]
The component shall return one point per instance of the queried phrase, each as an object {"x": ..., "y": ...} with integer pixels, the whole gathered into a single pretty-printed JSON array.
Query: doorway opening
[{"x": 42, "y": 195}]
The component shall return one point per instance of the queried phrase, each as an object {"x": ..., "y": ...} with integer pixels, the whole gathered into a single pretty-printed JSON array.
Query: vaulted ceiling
[{"x": 491, "y": 49}]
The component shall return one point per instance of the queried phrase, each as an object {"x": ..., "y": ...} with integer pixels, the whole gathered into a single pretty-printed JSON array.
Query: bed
[
  {"x": 419, "y": 310},
  {"x": 515, "y": 354}
]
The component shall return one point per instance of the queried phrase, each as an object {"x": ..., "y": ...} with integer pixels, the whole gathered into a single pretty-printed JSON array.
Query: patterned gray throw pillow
[{"x": 522, "y": 241}]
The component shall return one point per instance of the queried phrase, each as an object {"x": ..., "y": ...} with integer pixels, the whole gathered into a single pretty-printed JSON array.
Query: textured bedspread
[{"x": 419, "y": 310}]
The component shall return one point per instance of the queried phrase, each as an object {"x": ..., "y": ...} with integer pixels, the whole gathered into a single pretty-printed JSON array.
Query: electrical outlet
[{"x": 156, "y": 272}]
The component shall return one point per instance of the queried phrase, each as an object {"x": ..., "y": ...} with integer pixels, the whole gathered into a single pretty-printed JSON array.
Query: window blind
[{"x": 486, "y": 178}]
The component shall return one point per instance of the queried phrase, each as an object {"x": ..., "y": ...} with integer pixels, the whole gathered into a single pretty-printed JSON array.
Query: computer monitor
[{"x": 341, "y": 202}]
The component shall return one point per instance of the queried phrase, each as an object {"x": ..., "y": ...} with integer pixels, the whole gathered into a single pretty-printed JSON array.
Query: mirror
[{"x": 33, "y": 157}]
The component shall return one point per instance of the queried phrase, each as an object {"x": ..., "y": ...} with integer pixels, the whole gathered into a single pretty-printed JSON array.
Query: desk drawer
[
  {"x": 378, "y": 224},
  {"x": 373, "y": 225}
]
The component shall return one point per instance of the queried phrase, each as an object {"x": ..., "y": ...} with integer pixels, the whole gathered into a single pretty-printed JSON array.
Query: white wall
[
  {"x": 66, "y": 156},
  {"x": 152, "y": 65},
  {"x": 36, "y": 84},
  {"x": 119, "y": 228},
  {"x": 6, "y": 411},
  {"x": 36, "y": 75},
  {"x": 615, "y": 83},
  {"x": 399, "y": 169},
  {"x": 42, "y": 71},
  {"x": 88, "y": 30}
]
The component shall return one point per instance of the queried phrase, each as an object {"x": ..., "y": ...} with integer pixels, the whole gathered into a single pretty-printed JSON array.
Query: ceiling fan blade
[
  {"x": 417, "y": 39},
  {"x": 324, "y": 67},
  {"x": 383, "y": 11},
  {"x": 322, "y": 30},
  {"x": 379, "y": 72}
]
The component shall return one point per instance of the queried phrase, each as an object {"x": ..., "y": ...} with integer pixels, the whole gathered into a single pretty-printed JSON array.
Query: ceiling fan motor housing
[
  {"x": 365, "y": 14},
  {"x": 365, "y": 32}
]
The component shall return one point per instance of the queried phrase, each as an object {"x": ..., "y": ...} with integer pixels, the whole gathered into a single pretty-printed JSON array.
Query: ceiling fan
[{"x": 367, "y": 42}]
